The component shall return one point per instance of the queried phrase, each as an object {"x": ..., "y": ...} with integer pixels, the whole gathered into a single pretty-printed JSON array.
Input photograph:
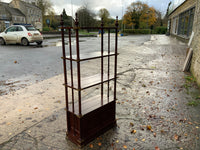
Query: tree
[
  {"x": 104, "y": 14},
  {"x": 85, "y": 17},
  {"x": 45, "y": 6},
  {"x": 159, "y": 20},
  {"x": 139, "y": 15},
  {"x": 67, "y": 20}
]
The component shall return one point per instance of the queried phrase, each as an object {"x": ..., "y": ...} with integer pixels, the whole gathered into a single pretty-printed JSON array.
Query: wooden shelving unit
[{"x": 87, "y": 119}]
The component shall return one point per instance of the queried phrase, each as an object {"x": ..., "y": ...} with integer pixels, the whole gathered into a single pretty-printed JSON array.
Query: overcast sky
[{"x": 115, "y": 7}]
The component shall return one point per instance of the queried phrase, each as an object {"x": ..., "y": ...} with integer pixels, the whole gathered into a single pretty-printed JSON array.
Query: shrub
[
  {"x": 46, "y": 29},
  {"x": 160, "y": 30},
  {"x": 137, "y": 31}
]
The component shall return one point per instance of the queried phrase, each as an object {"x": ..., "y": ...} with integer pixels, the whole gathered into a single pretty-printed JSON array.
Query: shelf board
[
  {"x": 91, "y": 81},
  {"x": 90, "y": 104},
  {"x": 85, "y": 58}
]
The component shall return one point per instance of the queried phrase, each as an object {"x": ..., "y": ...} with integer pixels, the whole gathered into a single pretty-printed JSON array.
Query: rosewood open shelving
[{"x": 87, "y": 119}]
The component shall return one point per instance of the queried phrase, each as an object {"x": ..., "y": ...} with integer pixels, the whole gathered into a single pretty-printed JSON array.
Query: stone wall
[
  {"x": 184, "y": 7},
  {"x": 195, "y": 67}
]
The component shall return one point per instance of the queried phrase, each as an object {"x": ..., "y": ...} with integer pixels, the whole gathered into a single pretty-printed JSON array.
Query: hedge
[
  {"x": 157, "y": 30},
  {"x": 137, "y": 31},
  {"x": 160, "y": 30},
  {"x": 46, "y": 29}
]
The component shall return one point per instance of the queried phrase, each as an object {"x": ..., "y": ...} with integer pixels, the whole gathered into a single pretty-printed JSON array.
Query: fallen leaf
[
  {"x": 15, "y": 61},
  {"x": 99, "y": 144},
  {"x": 142, "y": 127},
  {"x": 133, "y": 131},
  {"x": 131, "y": 124},
  {"x": 36, "y": 108},
  {"x": 197, "y": 127},
  {"x": 162, "y": 131},
  {"x": 91, "y": 145},
  {"x": 143, "y": 140},
  {"x": 136, "y": 140},
  {"x": 190, "y": 123},
  {"x": 157, "y": 148},
  {"x": 143, "y": 85},
  {"x": 133, "y": 148},
  {"x": 125, "y": 146},
  {"x": 19, "y": 110},
  {"x": 8, "y": 123},
  {"x": 117, "y": 141},
  {"x": 151, "y": 82},
  {"x": 154, "y": 134},
  {"x": 148, "y": 127},
  {"x": 176, "y": 137}
]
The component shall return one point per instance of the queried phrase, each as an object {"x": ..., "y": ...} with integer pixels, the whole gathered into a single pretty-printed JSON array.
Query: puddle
[{"x": 57, "y": 44}]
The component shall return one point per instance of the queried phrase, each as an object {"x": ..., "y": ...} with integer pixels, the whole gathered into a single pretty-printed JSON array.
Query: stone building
[
  {"x": 195, "y": 67},
  {"x": 181, "y": 18},
  {"x": 18, "y": 11},
  {"x": 184, "y": 17},
  {"x": 32, "y": 13},
  {"x": 9, "y": 16}
]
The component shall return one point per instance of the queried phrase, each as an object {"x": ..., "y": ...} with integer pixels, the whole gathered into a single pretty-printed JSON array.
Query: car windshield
[{"x": 30, "y": 28}]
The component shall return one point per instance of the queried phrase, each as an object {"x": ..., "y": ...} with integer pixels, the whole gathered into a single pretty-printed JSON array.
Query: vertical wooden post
[
  {"x": 71, "y": 67},
  {"x": 102, "y": 30},
  {"x": 115, "y": 70},
  {"x": 78, "y": 64},
  {"x": 108, "y": 92},
  {"x": 64, "y": 61}
]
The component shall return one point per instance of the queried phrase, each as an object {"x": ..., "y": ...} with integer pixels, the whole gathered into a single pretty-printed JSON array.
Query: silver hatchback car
[{"x": 21, "y": 34}]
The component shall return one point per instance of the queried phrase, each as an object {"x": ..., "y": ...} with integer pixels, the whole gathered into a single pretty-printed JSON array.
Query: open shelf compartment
[{"x": 90, "y": 81}]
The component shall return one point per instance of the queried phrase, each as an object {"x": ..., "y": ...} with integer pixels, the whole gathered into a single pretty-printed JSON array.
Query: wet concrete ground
[{"x": 152, "y": 106}]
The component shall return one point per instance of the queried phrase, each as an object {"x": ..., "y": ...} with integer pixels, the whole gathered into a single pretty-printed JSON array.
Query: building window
[
  {"x": 186, "y": 22},
  {"x": 175, "y": 25}
]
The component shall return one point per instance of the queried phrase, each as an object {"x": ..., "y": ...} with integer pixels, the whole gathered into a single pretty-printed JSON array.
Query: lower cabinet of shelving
[{"x": 82, "y": 130}]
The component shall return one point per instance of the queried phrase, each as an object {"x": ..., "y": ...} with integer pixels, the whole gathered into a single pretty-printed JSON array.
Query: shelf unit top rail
[{"x": 87, "y": 28}]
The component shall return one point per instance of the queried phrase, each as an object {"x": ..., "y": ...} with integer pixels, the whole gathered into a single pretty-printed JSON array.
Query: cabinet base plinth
[{"x": 84, "y": 129}]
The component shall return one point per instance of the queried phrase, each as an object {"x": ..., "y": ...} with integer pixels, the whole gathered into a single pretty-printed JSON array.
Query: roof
[
  {"x": 5, "y": 4},
  {"x": 30, "y": 5},
  {"x": 11, "y": 10},
  {"x": 178, "y": 7},
  {"x": 15, "y": 11}
]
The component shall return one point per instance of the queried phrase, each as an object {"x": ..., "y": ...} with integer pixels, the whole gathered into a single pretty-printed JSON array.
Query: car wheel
[
  {"x": 39, "y": 43},
  {"x": 25, "y": 42},
  {"x": 2, "y": 41}
]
